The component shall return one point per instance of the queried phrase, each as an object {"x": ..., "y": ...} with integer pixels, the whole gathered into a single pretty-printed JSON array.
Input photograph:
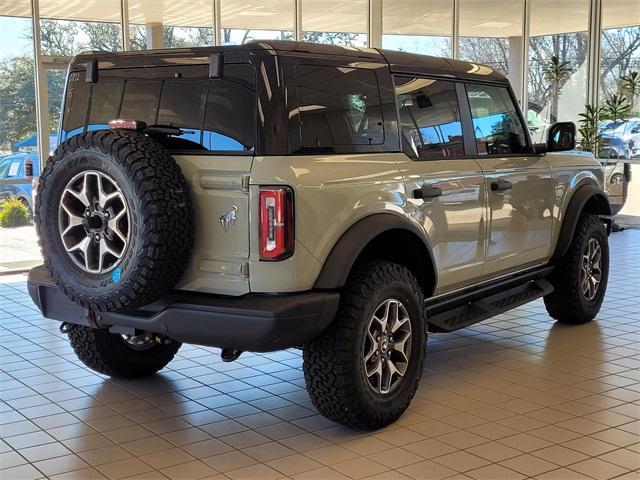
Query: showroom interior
[{"x": 515, "y": 396}]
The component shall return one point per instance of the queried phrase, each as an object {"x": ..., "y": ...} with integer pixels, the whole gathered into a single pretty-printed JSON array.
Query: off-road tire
[
  {"x": 108, "y": 354},
  {"x": 161, "y": 219},
  {"x": 333, "y": 364},
  {"x": 567, "y": 303}
]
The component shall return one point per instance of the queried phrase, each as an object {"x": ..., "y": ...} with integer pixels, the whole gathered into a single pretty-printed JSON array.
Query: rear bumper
[{"x": 253, "y": 322}]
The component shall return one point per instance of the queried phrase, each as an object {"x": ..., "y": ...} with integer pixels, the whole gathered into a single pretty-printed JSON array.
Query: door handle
[
  {"x": 501, "y": 185},
  {"x": 427, "y": 191}
]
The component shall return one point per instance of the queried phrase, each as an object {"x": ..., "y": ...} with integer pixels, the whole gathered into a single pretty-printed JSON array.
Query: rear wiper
[{"x": 169, "y": 130}]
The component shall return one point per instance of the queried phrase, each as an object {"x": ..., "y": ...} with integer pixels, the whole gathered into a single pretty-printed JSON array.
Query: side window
[
  {"x": 496, "y": 124},
  {"x": 13, "y": 170},
  {"x": 338, "y": 106},
  {"x": 429, "y": 118}
]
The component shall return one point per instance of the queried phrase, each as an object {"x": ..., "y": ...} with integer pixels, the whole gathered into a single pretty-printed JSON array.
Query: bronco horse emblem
[{"x": 229, "y": 218}]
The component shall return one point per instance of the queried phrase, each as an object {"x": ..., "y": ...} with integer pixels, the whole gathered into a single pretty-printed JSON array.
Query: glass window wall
[
  {"x": 558, "y": 51},
  {"x": 335, "y": 22},
  {"x": 19, "y": 162},
  {"x": 491, "y": 34},
  {"x": 17, "y": 83},
  {"x": 170, "y": 24},
  {"x": 418, "y": 26},
  {"x": 246, "y": 20}
]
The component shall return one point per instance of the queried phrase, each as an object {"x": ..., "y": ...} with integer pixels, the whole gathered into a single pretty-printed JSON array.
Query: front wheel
[
  {"x": 364, "y": 369},
  {"x": 580, "y": 277},
  {"x": 121, "y": 356}
]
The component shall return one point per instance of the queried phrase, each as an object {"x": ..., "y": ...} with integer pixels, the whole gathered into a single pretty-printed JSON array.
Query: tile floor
[{"x": 514, "y": 397}]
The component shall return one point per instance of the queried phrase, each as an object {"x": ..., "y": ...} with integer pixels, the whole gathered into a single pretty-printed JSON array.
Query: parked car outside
[
  {"x": 16, "y": 175},
  {"x": 620, "y": 142},
  {"x": 19, "y": 171}
]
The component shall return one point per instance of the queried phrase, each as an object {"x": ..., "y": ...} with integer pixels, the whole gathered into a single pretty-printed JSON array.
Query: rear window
[
  {"x": 214, "y": 114},
  {"x": 338, "y": 106}
]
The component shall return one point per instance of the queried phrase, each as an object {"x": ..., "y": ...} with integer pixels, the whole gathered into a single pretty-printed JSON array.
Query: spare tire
[{"x": 114, "y": 218}]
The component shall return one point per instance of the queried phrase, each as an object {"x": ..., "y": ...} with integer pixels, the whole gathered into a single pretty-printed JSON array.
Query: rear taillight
[{"x": 276, "y": 223}]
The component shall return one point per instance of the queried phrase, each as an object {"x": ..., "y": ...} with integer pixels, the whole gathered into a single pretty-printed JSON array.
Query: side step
[{"x": 454, "y": 314}]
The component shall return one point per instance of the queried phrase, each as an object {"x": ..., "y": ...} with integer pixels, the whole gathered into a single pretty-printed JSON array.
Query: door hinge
[{"x": 244, "y": 269}]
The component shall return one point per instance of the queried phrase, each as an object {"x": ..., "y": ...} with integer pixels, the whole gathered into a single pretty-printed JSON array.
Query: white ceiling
[{"x": 492, "y": 18}]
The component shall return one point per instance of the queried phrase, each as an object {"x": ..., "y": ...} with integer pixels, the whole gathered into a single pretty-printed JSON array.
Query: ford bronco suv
[{"x": 278, "y": 194}]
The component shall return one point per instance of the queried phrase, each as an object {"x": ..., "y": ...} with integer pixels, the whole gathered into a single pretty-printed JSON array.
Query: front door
[
  {"x": 444, "y": 189},
  {"x": 518, "y": 183}
]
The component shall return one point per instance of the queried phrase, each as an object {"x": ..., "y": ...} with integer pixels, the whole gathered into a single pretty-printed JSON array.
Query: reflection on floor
[
  {"x": 514, "y": 397},
  {"x": 19, "y": 248}
]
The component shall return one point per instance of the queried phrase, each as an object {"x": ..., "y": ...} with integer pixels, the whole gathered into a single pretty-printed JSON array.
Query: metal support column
[
  {"x": 155, "y": 38},
  {"x": 374, "y": 24},
  {"x": 297, "y": 21},
  {"x": 526, "y": 31},
  {"x": 455, "y": 30},
  {"x": 124, "y": 24},
  {"x": 593, "y": 63},
  {"x": 40, "y": 85},
  {"x": 217, "y": 24}
]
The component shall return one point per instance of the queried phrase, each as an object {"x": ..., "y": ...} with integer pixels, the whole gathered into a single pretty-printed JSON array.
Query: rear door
[
  {"x": 444, "y": 185},
  {"x": 518, "y": 183},
  {"x": 215, "y": 150}
]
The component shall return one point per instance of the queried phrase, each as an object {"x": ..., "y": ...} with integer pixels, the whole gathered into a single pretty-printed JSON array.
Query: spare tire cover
[{"x": 115, "y": 219}]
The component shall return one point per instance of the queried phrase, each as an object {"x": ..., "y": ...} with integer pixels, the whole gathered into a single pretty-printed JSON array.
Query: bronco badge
[{"x": 229, "y": 218}]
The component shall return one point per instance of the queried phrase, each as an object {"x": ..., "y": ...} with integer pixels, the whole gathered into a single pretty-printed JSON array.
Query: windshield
[{"x": 4, "y": 166}]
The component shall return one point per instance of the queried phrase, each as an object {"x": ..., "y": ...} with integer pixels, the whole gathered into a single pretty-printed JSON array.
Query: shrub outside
[{"x": 13, "y": 213}]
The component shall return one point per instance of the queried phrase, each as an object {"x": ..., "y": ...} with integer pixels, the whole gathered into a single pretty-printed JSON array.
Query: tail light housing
[{"x": 276, "y": 223}]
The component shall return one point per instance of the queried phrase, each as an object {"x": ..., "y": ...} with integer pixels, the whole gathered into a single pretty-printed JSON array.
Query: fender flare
[
  {"x": 346, "y": 250},
  {"x": 576, "y": 206}
]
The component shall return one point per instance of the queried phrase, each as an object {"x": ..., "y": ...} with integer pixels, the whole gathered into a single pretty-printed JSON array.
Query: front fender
[{"x": 587, "y": 196}]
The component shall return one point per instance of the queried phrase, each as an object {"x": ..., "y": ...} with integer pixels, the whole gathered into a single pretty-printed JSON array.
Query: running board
[{"x": 461, "y": 312}]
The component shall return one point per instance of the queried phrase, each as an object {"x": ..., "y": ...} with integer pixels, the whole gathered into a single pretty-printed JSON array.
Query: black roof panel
[{"x": 399, "y": 62}]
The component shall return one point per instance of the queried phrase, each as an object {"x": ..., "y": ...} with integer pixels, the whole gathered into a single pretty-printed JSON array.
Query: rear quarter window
[{"x": 338, "y": 107}]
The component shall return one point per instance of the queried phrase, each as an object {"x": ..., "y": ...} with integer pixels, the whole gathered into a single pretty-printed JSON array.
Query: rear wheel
[
  {"x": 363, "y": 370},
  {"x": 121, "y": 356},
  {"x": 580, "y": 277}
]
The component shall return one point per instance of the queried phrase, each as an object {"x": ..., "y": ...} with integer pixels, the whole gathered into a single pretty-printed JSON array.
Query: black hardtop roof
[{"x": 399, "y": 62}]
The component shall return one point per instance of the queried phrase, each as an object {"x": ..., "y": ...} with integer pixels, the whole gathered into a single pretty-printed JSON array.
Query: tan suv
[{"x": 275, "y": 195}]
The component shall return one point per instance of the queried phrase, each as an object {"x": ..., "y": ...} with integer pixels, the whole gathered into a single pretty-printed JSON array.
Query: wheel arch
[
  {"x": 371, "y": 238},
  {"x": 586, "y": 198}
]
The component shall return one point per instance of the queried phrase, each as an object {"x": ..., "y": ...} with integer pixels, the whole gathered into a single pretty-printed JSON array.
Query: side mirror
[{"x": 561, "y": 137}]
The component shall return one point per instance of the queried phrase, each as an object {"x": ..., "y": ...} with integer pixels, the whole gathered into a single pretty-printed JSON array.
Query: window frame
[{"x": 469, "y": 138}]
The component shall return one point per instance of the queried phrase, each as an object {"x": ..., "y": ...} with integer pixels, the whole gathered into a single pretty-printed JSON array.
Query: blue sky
[{"x": 12, "y": 31}]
